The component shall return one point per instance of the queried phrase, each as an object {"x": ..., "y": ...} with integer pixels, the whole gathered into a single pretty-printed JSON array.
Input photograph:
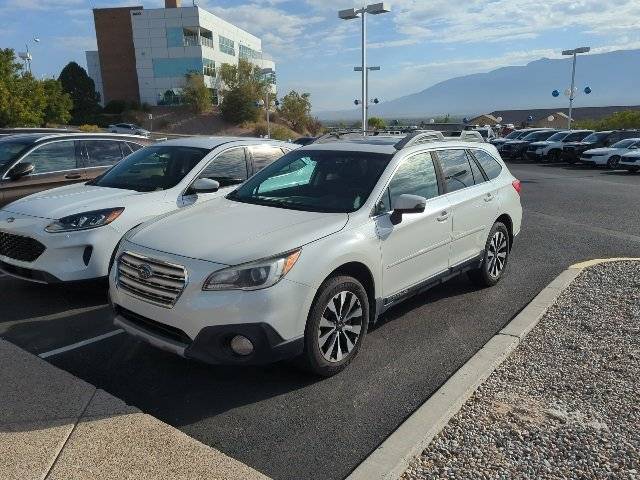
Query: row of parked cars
[
  {"x": 615, "y": 149},
  {"x": 247, "y": 251}
]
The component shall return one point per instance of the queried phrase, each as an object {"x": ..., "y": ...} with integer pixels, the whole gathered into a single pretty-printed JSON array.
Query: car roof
[
  {"x": 37, "y": 137},
  {"x": 363, "y": 146},
  {"x": 213, "y": 142}
]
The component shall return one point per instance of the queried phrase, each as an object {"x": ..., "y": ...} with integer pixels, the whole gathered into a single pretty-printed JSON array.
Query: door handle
[
  {"x": 488, "y": 197},
  {"x": 444, "y": 216},
  {"x": 72, "y": 176}
]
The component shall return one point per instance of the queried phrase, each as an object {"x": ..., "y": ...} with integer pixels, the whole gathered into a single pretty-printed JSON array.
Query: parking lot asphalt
[{"x": 291, "y": 426}]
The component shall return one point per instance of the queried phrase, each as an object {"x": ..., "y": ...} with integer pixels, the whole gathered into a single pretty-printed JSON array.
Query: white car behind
[
  {"x": 70, "y": 233},
  {"x": 630, "y": 161},
  {"x": 610, "y": 156},
  {"x": 129, "y": 128}
]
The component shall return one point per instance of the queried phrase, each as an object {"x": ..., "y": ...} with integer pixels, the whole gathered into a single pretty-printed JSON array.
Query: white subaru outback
[{"x": 297, "y": 261}]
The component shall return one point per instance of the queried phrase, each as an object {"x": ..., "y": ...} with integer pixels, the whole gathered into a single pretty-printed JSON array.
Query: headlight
[
  {"x": 84, "y": 221},
  {"x": 253, "y": 276}
]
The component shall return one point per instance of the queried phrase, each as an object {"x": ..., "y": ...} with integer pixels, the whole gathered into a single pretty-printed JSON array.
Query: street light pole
[
  {"x": 350, "y": 14},
  {"x": 572, "y": 92}
]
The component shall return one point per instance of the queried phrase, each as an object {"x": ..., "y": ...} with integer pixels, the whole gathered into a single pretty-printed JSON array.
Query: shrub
[
  {"x": 89, "y": 128},
  {"x": 239, "y": 106}
]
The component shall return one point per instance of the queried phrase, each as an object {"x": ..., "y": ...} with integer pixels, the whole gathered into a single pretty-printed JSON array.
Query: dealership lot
[{"x": 288, "y": 425}]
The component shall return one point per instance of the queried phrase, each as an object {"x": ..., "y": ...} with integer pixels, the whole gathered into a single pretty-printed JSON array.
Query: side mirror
[
  {"x": 204, "y": 185},
  {"x": 21, "y": 170},
  {"x": 407, "y": 204}
]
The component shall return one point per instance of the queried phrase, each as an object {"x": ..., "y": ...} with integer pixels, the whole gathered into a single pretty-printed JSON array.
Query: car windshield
[
  {"x": 317, "y": 181},
  {"x": 157, "y": 167},
  {"x": 556, "y": 137},
  {"x": 595, "y": 137},
  {"x": 12, "y": 148},
  {"x": 624, "y": 143},
  {"x": 536, "y": 136},
  {"x": 514, "y": 134},
  {"x": 576, "y": 136}
]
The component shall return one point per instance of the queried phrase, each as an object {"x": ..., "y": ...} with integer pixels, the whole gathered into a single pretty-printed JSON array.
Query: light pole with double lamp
[
  {"x": 350, "y": 14},
  {"x": 572, "y": 91}
]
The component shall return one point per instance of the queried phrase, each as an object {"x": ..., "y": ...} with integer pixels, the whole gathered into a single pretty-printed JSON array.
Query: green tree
[
  {"x": 21, "y": 96},
  {"x": 239, "y": 105},
  {"x": 618, "y": 120},
  {"x": 82, "y": 90},
  {"x": 58, "y": 104},
  {"x": 295, "y": 109},
  {"x": 376, "y": 123},
  {"x": 196, "y": 93}
]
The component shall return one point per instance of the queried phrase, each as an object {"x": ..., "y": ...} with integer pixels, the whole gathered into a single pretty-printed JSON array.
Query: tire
[
  {"x": 555, "y": 156},
  {"x": 493, "y": 265},
  {"x": 327, "y": 335},
  {"x": 633, "y": 169},
  {"x": 613, "y": 162}
]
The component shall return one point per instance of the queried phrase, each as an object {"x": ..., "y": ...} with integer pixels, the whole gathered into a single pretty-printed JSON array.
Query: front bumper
[
  {"x": 67, "y": 257},
  {"x": 200, "y": 324},
  {"x": 593, "y": 161}
]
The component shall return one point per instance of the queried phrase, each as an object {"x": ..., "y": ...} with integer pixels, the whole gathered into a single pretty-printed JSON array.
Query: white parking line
[{"x": 83, "y": 343}]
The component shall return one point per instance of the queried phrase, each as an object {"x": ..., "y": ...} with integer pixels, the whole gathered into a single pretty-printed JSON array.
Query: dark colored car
[
  {"x": 30, "y": 163},
  {"x": 572, "y": 151},
  {"x": 305, "y": 140},
  {"x": 515, "y": 135},
  {"x": 515, "y": 149}
]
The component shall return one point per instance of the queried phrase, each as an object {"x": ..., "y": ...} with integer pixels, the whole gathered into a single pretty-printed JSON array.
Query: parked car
[
  {"x": 70, "y": 233},
  {"x": 515, "y": 135},
  {"x": 264, "y": 274},
  {"x": 630, "y": 161},
  {"x": 515, "y": 149},
  {"x": 609, "y": 156},
  {"x": 129, "y": 128},
  {"x": 34, "y": 162},
  {"x": 487, "y": 133},
  {"x": 551, "y": 148},
  {"x": 572, "y": 151},
  {"x": 304, "y": 140}
]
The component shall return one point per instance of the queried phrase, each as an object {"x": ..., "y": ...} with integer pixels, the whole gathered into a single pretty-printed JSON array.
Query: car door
[
  {"x": 55, "y": 164},
  {"x": 98, "y": 155},
  {"x": 229, "y": 168},
  {"x": 263, "y": 155},
  {"x": 417, "y": 248},
  {"x": 472, "y": 204}
]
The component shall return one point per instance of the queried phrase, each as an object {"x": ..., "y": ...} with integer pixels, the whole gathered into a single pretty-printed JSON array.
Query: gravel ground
[{"x": 566, "y": 404}]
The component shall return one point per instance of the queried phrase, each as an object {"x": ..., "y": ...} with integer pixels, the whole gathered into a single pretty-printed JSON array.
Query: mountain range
[{"x": 613, "y": 78}]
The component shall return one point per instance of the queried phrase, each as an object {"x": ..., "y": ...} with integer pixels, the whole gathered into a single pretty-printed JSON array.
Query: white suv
[
  {"x": 298, "y": 260},
  {"x": 70, "y": 233}
]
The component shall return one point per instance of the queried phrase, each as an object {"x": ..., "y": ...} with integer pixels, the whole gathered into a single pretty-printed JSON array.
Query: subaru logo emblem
[
  {"x": 11, "y": 220},
  {"x": 144, "y": 271}
]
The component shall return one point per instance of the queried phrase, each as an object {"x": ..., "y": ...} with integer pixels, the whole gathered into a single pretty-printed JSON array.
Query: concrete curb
[{"x": 392, "y": 457}]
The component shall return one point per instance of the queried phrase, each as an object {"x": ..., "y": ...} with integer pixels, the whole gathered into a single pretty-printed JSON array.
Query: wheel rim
[
  {"x": 340, "y": 326},
  {"x": 613, "y": 162},
  {"x": 497, "y": 254}
]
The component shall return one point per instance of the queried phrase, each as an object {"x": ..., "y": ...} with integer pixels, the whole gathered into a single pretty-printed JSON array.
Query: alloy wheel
[
  {"x": 497, "y": 254},
  {"x": 340, "y": 326}
]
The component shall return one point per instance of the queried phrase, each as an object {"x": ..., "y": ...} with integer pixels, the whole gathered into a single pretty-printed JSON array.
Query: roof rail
[{"x": 418, "y": 138}]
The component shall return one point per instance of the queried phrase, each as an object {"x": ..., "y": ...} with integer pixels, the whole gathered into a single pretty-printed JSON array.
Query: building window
[
  {"x": 227, "y": 46},
  {"x": 176, "y": 67},
  {"x": 248, "y": 53},
  {"x": 208, "y": 67}
]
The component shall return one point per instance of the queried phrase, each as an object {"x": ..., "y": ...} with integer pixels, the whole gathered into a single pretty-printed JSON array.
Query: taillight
[{"x": 517, "y": 185}]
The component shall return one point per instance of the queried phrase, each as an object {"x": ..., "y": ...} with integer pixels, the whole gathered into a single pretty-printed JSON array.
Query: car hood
[
  {"x": 578, "y": 144},
  {"x": 230, "y": 233},
  {"x": 60, "y": 202},
  {"x": 601, "y": 151},
  {"x": 543, "y": 143}
]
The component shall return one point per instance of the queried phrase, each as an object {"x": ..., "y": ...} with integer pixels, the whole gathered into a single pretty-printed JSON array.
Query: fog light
[{"x": 241, "y": 345}]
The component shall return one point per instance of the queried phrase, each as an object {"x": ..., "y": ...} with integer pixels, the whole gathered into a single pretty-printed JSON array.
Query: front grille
[
  {"x": 569, "y": 149},
  {"x": 20, "y": 248},
  {"x": 151, "y": 280}
]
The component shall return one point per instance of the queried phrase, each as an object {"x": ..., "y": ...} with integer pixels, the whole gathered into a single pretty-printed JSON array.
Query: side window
[
  {"x": 416, "y": 176},
  {"x": 456, "y": 169},
  {"x": 53, "y": 157},
  {"x": 489, "y": 164},
  {"x": 102, "y": 153},
  {"x": 228, "y": 168},
  {"x": 477, "y": 173},
  {"x": 264, "y": 156}
]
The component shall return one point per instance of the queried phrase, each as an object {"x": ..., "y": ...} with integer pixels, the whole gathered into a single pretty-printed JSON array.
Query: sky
[{"x": 417, "y": 44}]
